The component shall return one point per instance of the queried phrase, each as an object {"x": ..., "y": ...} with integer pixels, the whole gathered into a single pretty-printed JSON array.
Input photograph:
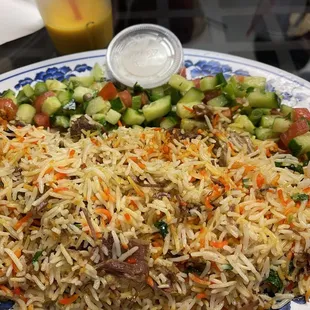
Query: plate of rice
[{"x": 194, "y": 195}]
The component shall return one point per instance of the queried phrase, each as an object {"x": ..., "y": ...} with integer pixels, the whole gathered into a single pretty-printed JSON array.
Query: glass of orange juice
[{"x": 77, "y": 25}]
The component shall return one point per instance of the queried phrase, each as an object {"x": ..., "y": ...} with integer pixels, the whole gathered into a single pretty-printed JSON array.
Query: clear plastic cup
[{"x": 77, "y": 25}]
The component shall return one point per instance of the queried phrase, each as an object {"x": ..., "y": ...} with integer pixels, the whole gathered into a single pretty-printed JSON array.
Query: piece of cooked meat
[
  {"x": 136, "y": 272},
  {"x": 223, "y": 159},
  {"x": 202, "y": 109},
  {"x": 252, "y": 305},
  {"x": 82, "y": 123}
]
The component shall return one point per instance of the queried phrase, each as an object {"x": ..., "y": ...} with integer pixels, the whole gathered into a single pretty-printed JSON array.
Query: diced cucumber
[
  {"x": 185, "y": 110},
  {"x": 239, "y": 90},
  {"x": 62, "y": 121},
  {"x": 193, "y": 95},
  {"x": 268, "y": 120},
  {"x": 175, "y": 95},
  {"x": 28, "y": 90},
  {"x": 136, "y": 102},
  {"x": 266, "y": 111},
  {"x": 79, "y": 93},
  {"x": 133, "y": 117},
  {"x": 51, "y": 105},
  {"x": 85, "y": 81},
  {"x": 64, "y": 96},
  {"x": 99, "y": 117},
  {"x": 208, "y": 83},
  {"x": 281, "y": 124},
  {"x": 156, "y": 109},
  {"x": 157, "y": 93},
  {"x": 113, "y": 117},
  {"x": 263, "y": 100},
  {"x": 190, "y": 124},
  {"x": 55, "y": 85},
  {"x": 9, "y": 94},
  {"x": 265, "y": 133},
  {"x": 22, "y": 98},
  {"x": 219, "y": 101},
  {"x": 180, "y": 83},
  {"x": 286, "y": 110},
  {"x": 168, "y": 122},
  {"x": 97, "y": 86},
  {"x": 300, "y": 145},
  {"x": 40, "y": 88},
  {"x": 25, "y": 113},
  {"x": 97, "y": 72},
  {"x": 256, "y": 116},
  {"x": 117, "y": 105},
  {"x": 229, "y": 91},
  {"x": 257, "y": 82},
  {"x": 242, "y": 122},
  {"x": 97, "y": 105}
]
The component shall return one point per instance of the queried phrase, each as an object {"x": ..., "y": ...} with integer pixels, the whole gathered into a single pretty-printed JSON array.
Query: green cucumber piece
[
  {"x": 64, "y": 97},
  {"x": 55, "y": 85},
  {"x": 97, "y": 72},
  {"x": 157, "y": 93},
  {"x": 133, "y": 117},
  {"x": 28, "y": 90},
  {"x": 193, "y": 95},
  {"x": 190, "y": 124},
  {"x": 219, "y": 101},
  {"x": 168, "y": 122},
  {"x": 180, "y": 83},
  {"x": 268, "y": 120},
  {"x": 157, "y": 109},
  {"x": 51, "y": 105},
  {"x": 40, "y": 88},
  {"x": 85, "y": 81},
  {"x": 265, "y": 133},
  {"x": 242, "y": 122},
  {"x": 286, "y": 110},
  {"x": 175, "y": 95},
  {"x": 62, "y": 121},
  {"x": 185, "y": 110},
  {"x": 263, "y": 100},
  {"x": 281, "y": 125},
  {"x": 113, "y": 117},
  {"x": 238, "y": 89},
  {"x": 25, "y": 113},
  {"x": 300, "y": 145},
  {"x": 22, "y": 98},
  {"x": 99, "y": 117},
  {"x": 9, "y": 94},
  {"x": 117, "y": 105},
  {"x": 257, "y": 82},
  {"x": 136, "y": 102},
  {"x": 79, "y": 92},
  {"x": 208, "y": 83},
  {"x": 97, "y": 105}
]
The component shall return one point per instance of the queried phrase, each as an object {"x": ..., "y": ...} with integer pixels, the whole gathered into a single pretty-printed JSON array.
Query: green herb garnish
[
  {"x": 36, "y": 256},
  {"x": 274, "y": 280},
  {"x": 162, "y": 227},
  {"x": 246, "y": 183},
  {"x": 300, "y": 197}
]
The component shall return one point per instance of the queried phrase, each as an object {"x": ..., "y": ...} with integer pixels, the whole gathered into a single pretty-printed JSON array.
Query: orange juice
[{"x": 90, "y": 28}]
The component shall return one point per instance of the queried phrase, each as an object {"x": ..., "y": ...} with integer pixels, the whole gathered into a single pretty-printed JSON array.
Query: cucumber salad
[{"x": 188, "y": 105}]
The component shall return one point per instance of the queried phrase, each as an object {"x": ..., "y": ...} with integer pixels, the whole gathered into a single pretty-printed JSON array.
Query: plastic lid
[{"x": 145, "y": 53}]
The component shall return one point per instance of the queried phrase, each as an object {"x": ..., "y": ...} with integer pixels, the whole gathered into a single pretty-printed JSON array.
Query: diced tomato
[
  {"x": 197, "y": 83},
  {"x": 296, "y": 129},
  {"x": 8, "y": 109},
  {"x": 183, "y": 72},
  {"x": 108, "y": 92},
  {"x": 301, "y": 113},
  {"x": 239, "y": 78},
  {"x": 126, "y": 98},
  {"x": 211, "y": 94},
  {"x": 42, "y": 119},
  {"x": 144, "y": 99},
  {"x": 40, "y": 100}
]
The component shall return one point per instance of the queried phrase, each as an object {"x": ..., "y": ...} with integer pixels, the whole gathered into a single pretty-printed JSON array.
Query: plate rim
[{"x": 189, "y": 52}]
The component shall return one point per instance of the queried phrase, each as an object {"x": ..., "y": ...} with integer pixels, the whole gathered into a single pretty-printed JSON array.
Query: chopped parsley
[
  {"x": 162, "y": 227},
  {"x": 300, "y": 197},
  {"x": 36, "y": 256},
  {"x": 274, "y": 280}
]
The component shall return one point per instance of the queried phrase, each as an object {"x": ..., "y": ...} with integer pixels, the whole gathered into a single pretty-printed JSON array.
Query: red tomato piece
[
  {"x": 40, "y": 100},
  {"x": 144, "y": 99},
  {"x": 183, "y": 72},
  {"x": 108, "y": 92},
  {"x": 8, "y": 109},
  {"x": 301, "y": 113},
  {"x": 42, "y": 119},
  {"x": 296, "y": 129},
  {"x": 197, "y": 83},
  {"x": 126, "y": 98}
]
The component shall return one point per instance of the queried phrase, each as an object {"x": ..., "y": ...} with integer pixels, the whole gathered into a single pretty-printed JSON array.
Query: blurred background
[{"x": 275, "y": 32}]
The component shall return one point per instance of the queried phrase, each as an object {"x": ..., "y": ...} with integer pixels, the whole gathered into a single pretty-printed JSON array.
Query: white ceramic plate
[{"x": 294, "y": 90}]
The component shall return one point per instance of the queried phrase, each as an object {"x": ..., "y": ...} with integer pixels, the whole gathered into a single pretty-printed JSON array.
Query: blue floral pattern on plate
[
  {"x": 59, "y": 74},
  {"x": 194, "y": 69}
]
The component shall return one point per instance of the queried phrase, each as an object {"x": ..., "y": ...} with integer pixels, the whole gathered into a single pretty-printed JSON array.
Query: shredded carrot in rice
[
  {"x": 131, "y": 260},
  {"x": 260, "y": 180},
  {"x": 198, "y": 280},
  {"x": 201, "y": 295},
  {"x": 150, "y": 281},
  {"x": 60, "y": 189},
  {"x": 127, "y": 217},
  {"x": 119, "y": 123},
  {"x": 68, "y": 300},
  {"x": 71, "y": 153},
  {"x": 23, "y": 220},
  {"x": 188, "y": 109},
  {"x": 6, "y": 290},
  {"x": 103, "y": 211},
  {"x": 218, "y": 244}
]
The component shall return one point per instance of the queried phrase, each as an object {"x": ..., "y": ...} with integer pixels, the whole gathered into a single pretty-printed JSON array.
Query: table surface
[{"x": 275, "y": 32}]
